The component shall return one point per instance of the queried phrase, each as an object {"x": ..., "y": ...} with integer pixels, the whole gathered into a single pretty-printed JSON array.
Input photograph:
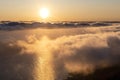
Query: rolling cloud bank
[{"x": 44, "y": 58}]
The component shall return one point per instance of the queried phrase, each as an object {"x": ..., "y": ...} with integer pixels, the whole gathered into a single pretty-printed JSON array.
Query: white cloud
[{"x": 44, "y": 58}]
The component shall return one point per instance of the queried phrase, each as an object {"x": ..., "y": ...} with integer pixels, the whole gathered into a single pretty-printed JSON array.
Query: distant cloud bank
[{"x": 8, "y": 25}]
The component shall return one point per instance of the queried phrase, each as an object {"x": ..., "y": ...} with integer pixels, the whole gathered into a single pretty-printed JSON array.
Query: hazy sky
[{"x": 60, "y": 10}]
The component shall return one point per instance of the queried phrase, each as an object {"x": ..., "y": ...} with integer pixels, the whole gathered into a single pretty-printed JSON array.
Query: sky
[{"x": 60, "y": 10}]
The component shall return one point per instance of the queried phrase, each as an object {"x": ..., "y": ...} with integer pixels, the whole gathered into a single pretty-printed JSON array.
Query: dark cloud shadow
[{"x": 14, "y": 65}]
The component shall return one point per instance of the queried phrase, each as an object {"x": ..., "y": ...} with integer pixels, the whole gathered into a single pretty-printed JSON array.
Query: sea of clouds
[{"x": 50, "y": 54}]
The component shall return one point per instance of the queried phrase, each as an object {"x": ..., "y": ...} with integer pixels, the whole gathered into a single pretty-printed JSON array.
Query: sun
[{"x": 44, "y": 13}]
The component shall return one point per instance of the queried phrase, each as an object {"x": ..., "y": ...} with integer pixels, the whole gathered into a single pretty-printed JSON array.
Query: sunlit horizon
[{"x": 78, "y": 10}]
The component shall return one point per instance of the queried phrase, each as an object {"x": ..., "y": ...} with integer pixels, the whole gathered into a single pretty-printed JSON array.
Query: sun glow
[{"x": 44, "y": 13}]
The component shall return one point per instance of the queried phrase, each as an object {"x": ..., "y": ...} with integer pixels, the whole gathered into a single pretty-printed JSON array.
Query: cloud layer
[
  {"x": 52, "y": 59},
  {"x": 8, "y": 25}
]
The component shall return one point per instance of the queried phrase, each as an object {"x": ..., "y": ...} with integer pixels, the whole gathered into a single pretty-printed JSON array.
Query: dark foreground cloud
[{"x": 14, "y": 65}]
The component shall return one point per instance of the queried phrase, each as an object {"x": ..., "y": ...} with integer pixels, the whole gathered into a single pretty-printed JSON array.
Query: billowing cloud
[{"x": 50, "y": 59}]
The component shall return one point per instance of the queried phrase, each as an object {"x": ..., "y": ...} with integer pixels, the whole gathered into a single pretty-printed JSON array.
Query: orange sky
[{"x": 60, "y": 10}]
